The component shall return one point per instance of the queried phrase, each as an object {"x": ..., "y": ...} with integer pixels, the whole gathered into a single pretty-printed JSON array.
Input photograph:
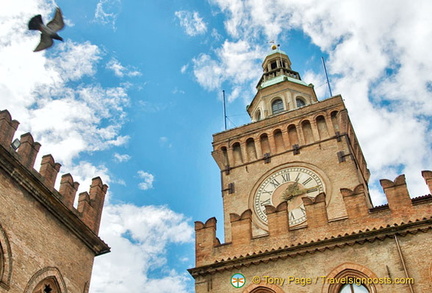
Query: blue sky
[{"x": 134, "y": 94}]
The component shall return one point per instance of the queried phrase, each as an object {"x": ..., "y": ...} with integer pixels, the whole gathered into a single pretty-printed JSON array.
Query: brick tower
[
  {"x": 46, "y": 244},
  {"x": 297, "y": 212}
]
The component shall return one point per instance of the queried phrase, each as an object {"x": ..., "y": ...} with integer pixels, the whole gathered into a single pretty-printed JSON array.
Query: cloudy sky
[{"x": 134, "y": 92}]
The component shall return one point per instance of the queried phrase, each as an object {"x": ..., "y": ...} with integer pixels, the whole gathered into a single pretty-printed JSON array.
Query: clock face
[{"x": 289, "y": 184}]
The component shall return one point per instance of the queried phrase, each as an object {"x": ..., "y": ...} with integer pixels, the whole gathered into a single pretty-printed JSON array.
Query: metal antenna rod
[
  {"x": 224, "y": 110},
  {"x": 328, "y": 82}
]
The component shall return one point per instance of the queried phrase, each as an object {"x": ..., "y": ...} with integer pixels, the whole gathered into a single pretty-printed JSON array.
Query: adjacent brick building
[
  {"x": 46, "y": 244},
  {"x": 297, "y": 211}
]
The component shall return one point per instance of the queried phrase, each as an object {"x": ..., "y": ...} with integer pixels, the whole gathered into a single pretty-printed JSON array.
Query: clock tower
[
  {"x": 295, "y": 147},
  {"x": 297, "y": 211}
]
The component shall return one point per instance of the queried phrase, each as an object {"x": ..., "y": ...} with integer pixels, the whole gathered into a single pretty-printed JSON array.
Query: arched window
[
  {"x": 353, "y": 288},
  {"x": 354, "y": 275},
  {"x": 277, "y": 106},
  {"x": 48, "y": 285},
  {"x": 262, "y": 290},
  {"x": 46, "y": 280},
  {"x": 300, "y": 102}
]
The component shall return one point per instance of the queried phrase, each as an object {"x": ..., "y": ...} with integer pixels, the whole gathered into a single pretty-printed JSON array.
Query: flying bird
[{"x": 49, "y": 31}]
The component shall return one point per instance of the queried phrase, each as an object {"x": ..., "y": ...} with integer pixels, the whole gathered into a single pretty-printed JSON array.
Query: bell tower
[
  {"x": 297, "y": 211},
  {"x": 277, "y": 69},
  {"x": 296, "y": 146}
]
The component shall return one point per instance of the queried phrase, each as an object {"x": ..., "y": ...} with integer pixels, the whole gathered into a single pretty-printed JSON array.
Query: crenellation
[
  {"x": 68, "y": 190},
  {"x": 316, "y": 212},
  {"x": 241, "y": 228},
  {"x": 278, "y": 223},
  {"x": 7, "y": 128},
  {"x": 44, "y": 241},
  {"x": 427, "y": 175},
  {"x": 98, "y": 191},
  {"x": 397, "y": 194},
  {"x": 49, "y": 170},
  {"x": 28, "y": 150},
  {"x": 361, "y": 219},
  {"x": 90, "y": 209},
  {"x": 84, "y": 205},
  {"x": 90, "y": 204},
  {"x": 205, "y": 239},
  {"x": 356, "y": 202}
]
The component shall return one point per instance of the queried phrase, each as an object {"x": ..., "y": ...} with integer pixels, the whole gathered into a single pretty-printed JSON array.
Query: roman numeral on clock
[
  {"x": 275, "y": 183},
  {"x": 307, "y": 181},
  {"x": 265, "y": 202},
  {"x": 285, "y": 177}
]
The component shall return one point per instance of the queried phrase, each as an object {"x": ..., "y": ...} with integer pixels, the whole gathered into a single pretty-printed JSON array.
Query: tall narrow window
[{"x": 277, "y": 106}]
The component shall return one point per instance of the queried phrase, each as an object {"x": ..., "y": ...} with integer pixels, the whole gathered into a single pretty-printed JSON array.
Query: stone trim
[
  {"x": 5, "y": 260},
  {"x": 46, "y": 273},
  {"x": 350, "y": 270}
]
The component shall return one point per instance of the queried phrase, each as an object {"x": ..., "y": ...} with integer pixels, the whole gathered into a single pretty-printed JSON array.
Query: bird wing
[
  {"x": 56, "y": 23},
  {"x": 45, "y": 42},
  {"x": 35, "y": 22}
]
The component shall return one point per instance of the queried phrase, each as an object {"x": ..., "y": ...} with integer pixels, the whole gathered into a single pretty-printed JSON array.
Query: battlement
[
  {"x": 17, "y": 160},
  {"x": 401, "y": 215}
]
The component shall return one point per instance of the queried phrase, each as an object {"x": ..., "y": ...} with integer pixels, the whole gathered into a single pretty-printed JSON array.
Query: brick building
[
  {"x": 46, "y": 244},
  {"x": 297, "y": 211}
]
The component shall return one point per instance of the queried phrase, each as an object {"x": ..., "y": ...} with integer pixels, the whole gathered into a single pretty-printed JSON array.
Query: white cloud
[
  {"x": 83, "y": 172},
  {"x": 119, "y": 70},
  {"x": 121, "y": 158},
  {"x": 147, "y": 178},
  {"x": 191, "y": 22},
  {"x": 139, "y": 237},
  {"x": 107, "y": 12},
  {"x": 235, "y": 63},
  {"x": 47, "y": 94},
  {"x": 184, "y": 68},
  {"x": 64, "y": 62}
]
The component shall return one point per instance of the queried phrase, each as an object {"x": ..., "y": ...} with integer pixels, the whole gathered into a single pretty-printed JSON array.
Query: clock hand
[
  {"x": 294, "y": 190},
  {"x": 291, "y": 191},
  {"x": 311, "y": 189}
]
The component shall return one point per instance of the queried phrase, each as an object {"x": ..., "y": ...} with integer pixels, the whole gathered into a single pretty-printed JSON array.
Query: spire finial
[{"x": 274, "y": 46}]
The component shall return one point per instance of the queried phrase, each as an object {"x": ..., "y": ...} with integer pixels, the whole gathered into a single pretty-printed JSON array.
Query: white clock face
[{"x": 289, "y": 184}]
